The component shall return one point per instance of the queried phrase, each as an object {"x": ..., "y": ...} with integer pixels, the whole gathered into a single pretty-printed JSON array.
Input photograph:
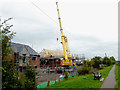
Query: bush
[
  {"x": 9, "y": 76},
  {"x": 79, "y": 71},
  {"x": 83, "y": 70},
  {"x": 103, "y": 66},
  {"x": 91, "y": 71},
  {"x": 21, "y": 80},
  {"x": 30, "y": 74},
  {"x": 66, "y": 74}
]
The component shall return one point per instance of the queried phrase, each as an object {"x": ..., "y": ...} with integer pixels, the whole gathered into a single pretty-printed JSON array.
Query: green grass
[
  {"x": 86, "y": 81},
  {"x": 117, "y": 73},
  {"x": 119, "y": 77}
]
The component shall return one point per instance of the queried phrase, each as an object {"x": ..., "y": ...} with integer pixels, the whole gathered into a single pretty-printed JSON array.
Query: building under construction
[{"x": 50, "y": 58}]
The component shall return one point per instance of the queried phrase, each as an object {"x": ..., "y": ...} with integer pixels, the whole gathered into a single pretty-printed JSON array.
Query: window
[
  {"x": 34, "y": 58},
  {"x": 35, "y": 66},
  {"x": 24, "y": 56},
  {"x": 23, "y": 59}
]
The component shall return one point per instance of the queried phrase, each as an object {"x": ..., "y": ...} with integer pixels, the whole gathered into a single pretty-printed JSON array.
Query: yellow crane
[{"x": 67, "y": 55}]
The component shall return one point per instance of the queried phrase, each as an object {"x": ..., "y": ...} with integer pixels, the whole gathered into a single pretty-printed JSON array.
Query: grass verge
[
  {"x": 85, "y": 81},
  {"x": 116, "y": 76},
  {"x": 117, "y": 73}
]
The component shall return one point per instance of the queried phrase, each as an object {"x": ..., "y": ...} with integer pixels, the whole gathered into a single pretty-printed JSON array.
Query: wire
[
  {"x": 48, "y": 15},
  {"x": 44, "y": 12}
]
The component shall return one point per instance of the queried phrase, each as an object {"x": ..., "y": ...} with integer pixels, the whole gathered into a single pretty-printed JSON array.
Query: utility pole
[
  {"x": 55, "y": 71},
  {"x": 48, "y": 76},
  {"x": 106, "y": 58},
  {"x": 105, "y": 55}
]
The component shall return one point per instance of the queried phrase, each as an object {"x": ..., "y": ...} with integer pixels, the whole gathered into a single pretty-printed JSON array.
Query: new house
[{"x": 24, "y": 54}]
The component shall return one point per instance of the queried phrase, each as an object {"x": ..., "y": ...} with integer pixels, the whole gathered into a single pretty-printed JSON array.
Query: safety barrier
[{"x": 43, "y": 85}]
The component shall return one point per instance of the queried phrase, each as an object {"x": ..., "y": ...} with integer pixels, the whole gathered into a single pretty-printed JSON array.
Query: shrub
[
  {"x": 21, "y": 80},
  {"x": 83, "y": 70},
  {"x": 103, "y": 66},
  {"x": 30, "y": 74},
  {"x": 10, "y": 76},
  {"x": 91, "y": 71},
  {"x": 79, "y": 71},
  {"x": 66, "y": 74}
]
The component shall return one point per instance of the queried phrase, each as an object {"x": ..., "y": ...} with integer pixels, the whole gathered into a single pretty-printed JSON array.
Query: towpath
[{"x": 110, "y": 82}]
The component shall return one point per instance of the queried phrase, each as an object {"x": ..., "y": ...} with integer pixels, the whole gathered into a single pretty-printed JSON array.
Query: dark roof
[{"x": 19, "y": 47}]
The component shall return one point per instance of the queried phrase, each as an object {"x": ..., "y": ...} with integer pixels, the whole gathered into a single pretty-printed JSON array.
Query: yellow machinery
[
  {"x": 67, "y": 55},
  {"x": 74, "y": 64}
]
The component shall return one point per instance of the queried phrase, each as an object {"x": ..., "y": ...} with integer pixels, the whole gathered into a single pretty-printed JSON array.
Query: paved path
[{"x": 110, "y": 82}]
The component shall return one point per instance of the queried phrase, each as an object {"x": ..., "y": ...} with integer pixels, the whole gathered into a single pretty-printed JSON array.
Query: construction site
[
  {"x": 56, "y": 65},
  {"x": 49, "y": 64}
]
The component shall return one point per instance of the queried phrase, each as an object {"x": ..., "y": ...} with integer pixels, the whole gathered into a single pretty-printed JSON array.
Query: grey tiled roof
[{"x": 19, "y": 47}]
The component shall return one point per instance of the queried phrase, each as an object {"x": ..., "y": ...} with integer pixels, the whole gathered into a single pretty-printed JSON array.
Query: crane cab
[{"x": 66, "y": 62}]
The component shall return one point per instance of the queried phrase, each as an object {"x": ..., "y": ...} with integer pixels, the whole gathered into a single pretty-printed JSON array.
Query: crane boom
[{"x": 59, "y": 19}]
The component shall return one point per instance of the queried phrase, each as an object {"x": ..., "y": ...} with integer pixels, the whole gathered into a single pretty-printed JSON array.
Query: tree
[
  {"x": 113, "y": 61},
  {"x": 9, "y": 74},
  {"x": 7, "y": 35},
  {"x": 96, "y": 61},
  {"x": 106, "y": 61}
]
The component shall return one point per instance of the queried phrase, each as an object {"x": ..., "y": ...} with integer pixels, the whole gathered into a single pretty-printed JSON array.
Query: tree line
[{"x": 95, "y": 64}]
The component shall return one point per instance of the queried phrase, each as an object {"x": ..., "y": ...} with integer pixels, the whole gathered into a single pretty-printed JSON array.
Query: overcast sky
[{"x": 91, "y": 26}]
